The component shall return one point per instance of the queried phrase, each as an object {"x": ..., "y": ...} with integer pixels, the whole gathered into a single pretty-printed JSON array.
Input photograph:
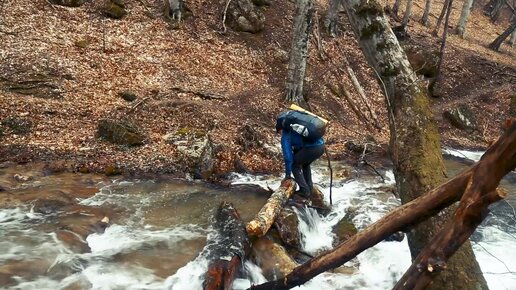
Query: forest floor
[{"x": 198, "y": 78}]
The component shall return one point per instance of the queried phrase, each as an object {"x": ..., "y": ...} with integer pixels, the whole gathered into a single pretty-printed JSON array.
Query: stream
[{"x": 158, "y": 229}]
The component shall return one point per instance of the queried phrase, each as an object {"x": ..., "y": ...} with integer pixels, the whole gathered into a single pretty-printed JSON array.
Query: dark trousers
[{"x": 301, "y": 167}]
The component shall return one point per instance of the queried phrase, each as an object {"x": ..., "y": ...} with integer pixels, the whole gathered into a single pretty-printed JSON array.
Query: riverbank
[{"x": 68, "y": 70}]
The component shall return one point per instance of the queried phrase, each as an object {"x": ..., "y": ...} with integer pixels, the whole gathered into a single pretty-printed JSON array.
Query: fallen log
[
  {"x": 272, "y": 258},
  {"x": 270, "y": 211},
  {"x": 226, "y": 249},
  {"x": 498, "y": 160}
]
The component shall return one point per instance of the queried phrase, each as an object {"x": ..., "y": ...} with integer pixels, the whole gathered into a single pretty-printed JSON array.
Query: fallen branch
[
  {"x": 499, "y": 160},
  {"x": 202, "y": 94},
  {"x": 137, "y": 105},
  {"x": 224, "y": 29}
]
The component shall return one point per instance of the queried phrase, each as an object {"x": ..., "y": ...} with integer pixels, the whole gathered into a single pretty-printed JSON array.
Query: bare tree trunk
[
  {"x": 396, "y": 8},
  {"x": 500, "y": 157},
  {"x": 299, "y": 52},
  {"x": 495, "y": 45},
  {"x": 408, "y": 13},
  {"x": 497, "y": 8},
  {"x": 332, "y": 18},
  {"x": 434, "y": 85},
  {"x": 441, "y": 16},
  {"x": 464, "y": 16},
  {"x": 513, "y": 38},
  {"x": 173, "y": 10},
  {"x": 426, "y": 13}
]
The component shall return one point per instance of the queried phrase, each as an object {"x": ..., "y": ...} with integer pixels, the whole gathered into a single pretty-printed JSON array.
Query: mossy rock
[
  {"x": 68, "y": 3},
  {"x": 424, "y": 62},
  {"x": 114, "y": 9},
  {"x": 461, "y": 117},
  {"x": 344, "y": 229},
  {"x": 120, "y": 132}
]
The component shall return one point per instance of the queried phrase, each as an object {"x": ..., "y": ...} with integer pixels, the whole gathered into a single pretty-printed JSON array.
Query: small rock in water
[{"x": 22, "y": 178}]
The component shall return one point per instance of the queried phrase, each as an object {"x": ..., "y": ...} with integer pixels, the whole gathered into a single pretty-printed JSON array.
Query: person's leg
[{"x": 303, "y": 159}]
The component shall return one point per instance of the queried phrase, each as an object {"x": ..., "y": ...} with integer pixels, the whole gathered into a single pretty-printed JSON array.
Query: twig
[
  {"x": 364, "y": 162},
  {"x": 51, "y": 4},
  {"x": 224, "y": 17},
  {"x": 137, "y": 105},
  {"x": 478, "y": 244},
  {"x": 202, "y": 94},
  {"x": 317, "y": 37}
]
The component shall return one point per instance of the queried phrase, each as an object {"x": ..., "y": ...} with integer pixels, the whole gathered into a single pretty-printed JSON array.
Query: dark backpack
[{"x": 307, "y": 125}]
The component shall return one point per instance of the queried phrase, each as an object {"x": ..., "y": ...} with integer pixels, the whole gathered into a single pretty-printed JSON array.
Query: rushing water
[{"x": 159, "y": 231}]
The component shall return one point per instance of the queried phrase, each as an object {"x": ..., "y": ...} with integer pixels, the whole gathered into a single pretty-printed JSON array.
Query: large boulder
[
  {"x": 243, "y": 15},
  {"x": 344, "y": 229},
  {"x": 461, "y": 117},
  {"x": 197, "y": 151},
  {"x": 120, "y": 132},
  {"x": 114, "y": 9},
  {"x": 423, "y": 61}
]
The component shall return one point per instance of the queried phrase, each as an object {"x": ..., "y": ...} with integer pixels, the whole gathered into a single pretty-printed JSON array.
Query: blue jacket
[{"x": 291, "y": 141}]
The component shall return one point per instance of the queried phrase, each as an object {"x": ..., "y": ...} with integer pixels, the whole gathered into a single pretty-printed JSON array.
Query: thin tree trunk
[
  {"x": 499, "y": 158},
  {"x": 227, "y": 249},
  {"x": 464, "y": 16},
  {"x": 434, "y": 85},
  {"x": 396, "y": 8},
  {"x": 513, "y": 38},
  {"x": 361, "y": 94},
  {"x": 426, "y": 13},
  {"x": 408, "y": 13},
  {"x": 332, "y": 18},
  {"x": 299, "y": 52},
  {"x": 495, "y": 45},
  {"x": 495, "y": 12},
  {"x": 441, "y": 16},
  {"x": 267, "y": 215}
]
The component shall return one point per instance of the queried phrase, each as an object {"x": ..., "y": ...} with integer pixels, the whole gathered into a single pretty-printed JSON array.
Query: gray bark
[
  {"x": 495, "y": 45},
  {"x": 513, "y": 38},
  {"x": 299, "y": 52},
  {"x": 408, "y": 13},
  {"x": 396, "y": 8},
  {"x": 497, "y": 8},
  {"x": 332, "y": 18},
  {"x": 441, "y": 17},
  {"x": 464, "y": 16},
  {"x": 174, "y": 9},
  {"x": 426, "y": 13},
  {"x": 415, "y": 146}
]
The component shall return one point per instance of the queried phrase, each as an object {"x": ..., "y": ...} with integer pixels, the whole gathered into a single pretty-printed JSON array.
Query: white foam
[{"x": 471, "y": 155}]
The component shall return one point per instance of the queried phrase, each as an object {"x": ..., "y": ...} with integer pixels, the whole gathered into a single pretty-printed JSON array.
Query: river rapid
[{"x": 158, "y": 229}]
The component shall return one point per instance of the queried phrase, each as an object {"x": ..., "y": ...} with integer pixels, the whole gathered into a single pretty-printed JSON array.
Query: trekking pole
[{"x": 331, "y": 172}]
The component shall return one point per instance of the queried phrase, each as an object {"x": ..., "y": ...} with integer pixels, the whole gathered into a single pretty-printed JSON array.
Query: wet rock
[
  {"x": 318, "y": 202},
  {"x": 46, "y": 206},
  {"x": 54, "y": 167},
  {"x": 16, "y": 125},
  {"x": 83, "y": 220},
  {"x": 396, "y": 237},
  {"x": 120, "y": 132},
  {"x": 287, "y": 225},
  {"x": 12, "y": 270},
  {"x": 461, "y": 117},
  {"x": 344, "y": 229},
  {"x": 128, "y": 96},
  {"x": 114, "y": 9},
  {"x": 69, "y": 3},
  {"x": 197, "y": 150},
  {"x": 73, "y": 241},
  {"x": 22, "y": 178},
  {"x": 245, "y": 16}
]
